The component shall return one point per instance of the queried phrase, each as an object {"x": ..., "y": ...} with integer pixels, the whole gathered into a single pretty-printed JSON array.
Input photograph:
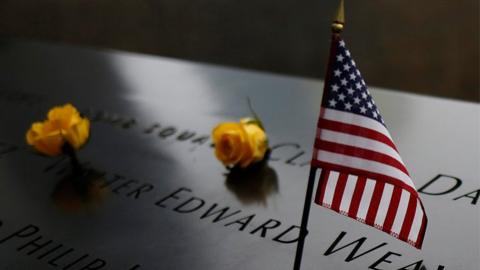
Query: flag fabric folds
[{"x": 362, "y": 174}]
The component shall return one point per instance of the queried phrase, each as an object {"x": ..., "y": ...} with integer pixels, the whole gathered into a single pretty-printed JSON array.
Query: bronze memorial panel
[{"x": 162, "y": 201}]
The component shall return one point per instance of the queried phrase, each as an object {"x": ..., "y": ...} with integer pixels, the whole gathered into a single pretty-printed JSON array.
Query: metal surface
[{"x": 144, "y": 111}]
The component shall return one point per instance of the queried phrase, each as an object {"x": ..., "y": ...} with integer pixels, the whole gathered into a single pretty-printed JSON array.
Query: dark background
[{"x": 428, "y": 47}]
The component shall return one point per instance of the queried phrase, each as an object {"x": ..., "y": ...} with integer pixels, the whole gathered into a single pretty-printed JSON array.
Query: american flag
[{"x": 362, "y": 174}]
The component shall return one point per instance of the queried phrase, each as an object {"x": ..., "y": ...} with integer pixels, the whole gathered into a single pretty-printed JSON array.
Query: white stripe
[
  {"x": 417, "y": 223},
  {"x": 364, "y": 164},
  {"x": 401, "y": 211},
  {"x": 348, "y": 193},
  {"x": 330, "y": 188},
  {"x": 384, "y": 204},
  {"x": 355, "y": 119},
  {"x": 360, "y": 142},
  {"x": 366, "y": 198}
]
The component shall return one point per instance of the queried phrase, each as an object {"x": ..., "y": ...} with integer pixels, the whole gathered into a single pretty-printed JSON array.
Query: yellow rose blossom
[
  {"x": 64, "y": 124},
  {"x": 240, "y": 143}
]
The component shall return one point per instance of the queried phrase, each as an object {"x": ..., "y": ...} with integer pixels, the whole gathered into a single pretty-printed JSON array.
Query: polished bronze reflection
[
  {"x": 155, "y": 174},
  {"x": 253, "y": 184},
  {"x": 80, "y": 190}
]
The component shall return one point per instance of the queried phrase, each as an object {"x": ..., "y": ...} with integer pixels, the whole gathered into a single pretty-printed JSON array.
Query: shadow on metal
[
  {"x": 84, "y": 191},
  {"x": 254, "y": 184}
]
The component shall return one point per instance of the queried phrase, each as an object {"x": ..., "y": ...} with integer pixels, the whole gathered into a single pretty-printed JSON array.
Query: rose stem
[{"x": 69, "y": 151}]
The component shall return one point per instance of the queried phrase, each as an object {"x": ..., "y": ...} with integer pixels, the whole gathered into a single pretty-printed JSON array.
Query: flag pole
[{"x": 337, "y": 27}]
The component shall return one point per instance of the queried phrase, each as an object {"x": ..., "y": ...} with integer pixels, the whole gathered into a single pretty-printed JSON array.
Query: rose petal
[{"x": 64, "y": 123}]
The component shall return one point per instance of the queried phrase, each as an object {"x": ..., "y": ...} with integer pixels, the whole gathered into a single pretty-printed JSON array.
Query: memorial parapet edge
[{"x": 162, "y": 201}]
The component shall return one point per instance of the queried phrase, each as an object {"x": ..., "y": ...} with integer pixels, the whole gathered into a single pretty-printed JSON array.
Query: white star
[
  {"x": 346, "y": 67},
  {"x": 344, "y": 82},
  {"x": 340, "y": 57},
  {"x": 337, "y": 72},
  {"x": 358, "y": 86},
  {"x": 356, "y": 100},
  {"x": 348, "y": 106},
  {"x": 375, "y": 114},
  {"x": 358, "y": 72},
  {"x": 383, "y": 122},
  {"x": 332, "y": 102},
  {"x": 363, "y": 109},
  {"x": 352, "y": 76},
  {"x": 350, "y": 91},
  {"x": 341, "y": 97},
  {"x": 342, "y": 43},
  {"x": 335, "y": 88},
  {"x": 364, "y": 95},
  {"x": 353, "y": 63},
  {"x": 347, "y": 53},
  {"x": 369, "y": 104},
  {"x": 363, "y": 82}
]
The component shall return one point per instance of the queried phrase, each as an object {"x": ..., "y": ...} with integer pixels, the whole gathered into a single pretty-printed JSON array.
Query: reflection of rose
[
  {"x": 254, "y": 184},
  {"x": 240, "y": 143},
  {"x": 81, "y": 192},
  {"x": 64, "y": 124}
]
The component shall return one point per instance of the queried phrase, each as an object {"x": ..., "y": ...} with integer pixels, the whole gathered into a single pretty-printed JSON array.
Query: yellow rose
[
  {"x": 64, "y": 124},
  {"x": 240, "y": 143}
]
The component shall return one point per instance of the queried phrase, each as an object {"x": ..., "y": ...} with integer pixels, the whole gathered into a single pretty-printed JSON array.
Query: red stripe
[
  {"x": 375, "y": 203},
  {"x": 322, "y": 186},
  {"x": 339, "y": 189},
  {"x": 368, "y": 174},
  {"x": 355, "y": 130},
  {"x": 315, "y": 153},
  {"x": 360, "y": 152},
  {"x": 357, "y": 197},
  {"x": 409, "y": 217},
  {"x": 423, "y": 228},
  {"x": 392, "y": 209},
  {"x": 371, "y": 215}
]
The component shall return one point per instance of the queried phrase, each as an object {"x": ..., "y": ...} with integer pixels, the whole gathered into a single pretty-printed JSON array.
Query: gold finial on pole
[{"x": 339, "y": 19}]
